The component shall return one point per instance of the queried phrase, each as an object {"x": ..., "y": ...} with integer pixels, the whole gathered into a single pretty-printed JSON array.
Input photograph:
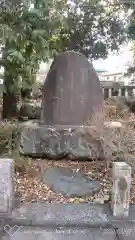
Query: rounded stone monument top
[{"x": 71, "y": 93}]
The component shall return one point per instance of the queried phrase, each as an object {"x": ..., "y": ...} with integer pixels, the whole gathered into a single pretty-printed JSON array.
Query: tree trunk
[
  {"x": 9, "y": 100},
  {"x": 9, "y": 106}
]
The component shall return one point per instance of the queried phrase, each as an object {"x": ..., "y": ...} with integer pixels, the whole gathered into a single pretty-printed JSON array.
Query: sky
[{"x": 116, "y": 62}]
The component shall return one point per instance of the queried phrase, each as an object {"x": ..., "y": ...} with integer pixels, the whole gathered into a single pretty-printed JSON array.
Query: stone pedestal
[
  {"x": 6, "y": 186},
  {"x": 57, "y": 142},
  {"x": 121, "y": 177}
]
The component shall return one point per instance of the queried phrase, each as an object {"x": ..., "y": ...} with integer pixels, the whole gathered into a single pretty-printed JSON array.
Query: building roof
[
  {"x": 111, "y": 84},
  {"x": 100, "y": 70},
  {"x": 113, "y": 73}
]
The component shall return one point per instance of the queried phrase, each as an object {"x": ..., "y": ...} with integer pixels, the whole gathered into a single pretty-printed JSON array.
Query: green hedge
[{"x": 6, "y": 136}]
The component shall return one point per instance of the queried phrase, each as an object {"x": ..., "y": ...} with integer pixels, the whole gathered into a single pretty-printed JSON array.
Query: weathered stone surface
[
  {"x": 69, "y": 183},
  {"x": 121, "y": 189},
  {"x": 72, "y": 93},
  {"x": 29, "y": 233},
  {"x": 6, "y": 186},
  {"x": 67, "y": 221},
  {"x": 59, "y": 214},
  {"x": 126, "y": 232},
  {"x": 76, "y": 142},
  {"x": 72, "y": 97},
  {"x": 57, "y": 142},
  {"x": 68, "y": 215}
]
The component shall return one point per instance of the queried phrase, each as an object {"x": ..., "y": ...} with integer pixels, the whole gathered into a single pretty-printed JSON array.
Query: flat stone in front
[
  {"x": 6, "y": 186},
  {"x": 69, "y": 183}
]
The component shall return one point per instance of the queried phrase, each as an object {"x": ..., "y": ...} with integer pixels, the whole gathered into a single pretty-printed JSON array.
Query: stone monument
[
  {"x": 71, "y": 92},
  {"x": 72, "y": 95}
]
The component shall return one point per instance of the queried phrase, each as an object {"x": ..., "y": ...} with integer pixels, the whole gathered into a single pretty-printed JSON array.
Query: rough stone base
[{"x": 57, "y": 142}]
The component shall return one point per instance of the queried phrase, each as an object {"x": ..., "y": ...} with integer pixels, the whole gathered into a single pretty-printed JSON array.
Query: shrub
[
  {"x": 37, "y": 94},
  {"x": 110, "y": 111},
  {"x": 116, "y": 99},
  {"x": 30, "y": 110},
  {"x": 117, "y": 142},
  {"x": 8, "y": 147},
  {"x": 120, "y": 102},
  {"x": 116, "y": 107},
  {"x": 6, "y": 130},
  {"x": 37, "y": 90},
  {"x": 131, "y": 105},
  {"x": 21, "y": 163}
]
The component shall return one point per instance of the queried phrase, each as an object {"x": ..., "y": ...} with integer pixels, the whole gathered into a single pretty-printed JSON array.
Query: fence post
[
  {"x": 6, "y": 186},
  {"x": 121, "y": 176}
]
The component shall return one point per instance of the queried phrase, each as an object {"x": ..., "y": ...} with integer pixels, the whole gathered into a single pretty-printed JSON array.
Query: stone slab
[
  {"x": 70, "y": 183},
  {"x": 69, "y": 215},
  {"x": 29, "y": 233},
  {"x": 6, "y": 186},
  {"x": 57, "y": 214}
]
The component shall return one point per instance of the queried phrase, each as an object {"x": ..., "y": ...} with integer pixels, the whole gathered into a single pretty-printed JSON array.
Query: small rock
[
  {"x": 113, "y": 124},
  {"x": 81, "y": 200},
  {"x": 106, "y": 198},
  {"x": 99, "y": 200}
]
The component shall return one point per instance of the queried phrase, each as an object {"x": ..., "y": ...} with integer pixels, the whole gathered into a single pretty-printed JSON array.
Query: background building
[{"x": 116, "y": 83}]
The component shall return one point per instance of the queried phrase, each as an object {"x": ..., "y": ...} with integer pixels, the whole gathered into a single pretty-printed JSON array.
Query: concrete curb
[{"x": 68, "y": 215}]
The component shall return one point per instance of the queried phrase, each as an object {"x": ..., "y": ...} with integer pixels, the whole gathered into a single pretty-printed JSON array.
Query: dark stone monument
[
  {"x": 71, "y": 96},
  {"x": 71, "y": 92}
]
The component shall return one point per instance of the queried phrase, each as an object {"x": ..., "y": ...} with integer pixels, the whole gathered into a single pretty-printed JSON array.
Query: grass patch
[{"x": 8, "y": 148}]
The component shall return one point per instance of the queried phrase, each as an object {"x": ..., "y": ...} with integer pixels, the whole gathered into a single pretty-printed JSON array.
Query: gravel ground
[{"x": 29, "y": 187}]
